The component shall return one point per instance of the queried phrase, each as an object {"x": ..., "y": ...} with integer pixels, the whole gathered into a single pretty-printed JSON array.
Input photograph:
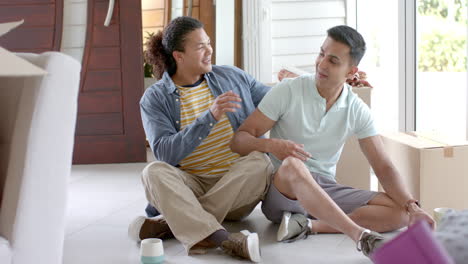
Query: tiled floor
[{"x": 105, "y": 198}]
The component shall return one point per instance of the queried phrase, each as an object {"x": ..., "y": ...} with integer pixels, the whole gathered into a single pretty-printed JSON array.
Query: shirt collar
[
  {"x": 342, "y": 100},
  {"x": 169, "y": 85}
]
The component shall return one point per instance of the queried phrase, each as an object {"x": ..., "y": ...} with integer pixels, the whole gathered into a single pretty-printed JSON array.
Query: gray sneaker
[
  {"x": 143, "y": 227},
  {"x": 244, "y": 245},
  {"x": 293, "y": 227},
  {"x": 369, "y": 241}
]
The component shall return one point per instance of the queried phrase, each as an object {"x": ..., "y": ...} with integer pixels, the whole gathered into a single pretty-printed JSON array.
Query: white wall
[
  {"x": 74, "y": 28},
  {"x": 298, "y": 29}
]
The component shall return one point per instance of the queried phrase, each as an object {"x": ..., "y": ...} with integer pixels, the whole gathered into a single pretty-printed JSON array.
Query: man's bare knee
[
  {"x": 291, "y": 173},
  {"x": 293, "y": 169}
]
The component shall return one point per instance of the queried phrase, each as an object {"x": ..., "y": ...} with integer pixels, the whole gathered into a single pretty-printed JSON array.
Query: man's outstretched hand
[
  {"x": 225, "y": 103},
  {"x": 282, "y": 149}
]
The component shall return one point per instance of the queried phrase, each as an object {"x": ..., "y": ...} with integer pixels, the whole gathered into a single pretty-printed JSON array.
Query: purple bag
[{"x": 415, "y": 245}]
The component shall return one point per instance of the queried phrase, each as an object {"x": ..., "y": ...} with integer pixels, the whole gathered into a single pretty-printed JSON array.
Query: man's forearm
[
  {"x": 172, "y": 146},
  {"x": 393, "y": 185},
  {"x": 243, "y": 143}
]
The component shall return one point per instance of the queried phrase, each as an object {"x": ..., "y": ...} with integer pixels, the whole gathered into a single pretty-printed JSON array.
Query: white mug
[
  {"x": 440, "y": 212},
  {"x": 151, "y": 251}
]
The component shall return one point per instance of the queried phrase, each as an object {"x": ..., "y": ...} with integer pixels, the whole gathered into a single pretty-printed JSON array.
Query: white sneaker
[{"x": 293, "y": 227}]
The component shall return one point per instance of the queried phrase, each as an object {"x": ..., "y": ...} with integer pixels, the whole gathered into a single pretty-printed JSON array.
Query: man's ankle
[
  {"x": 358, "y": 235},
  {"x": 218, "y": 237},
  {"x": 205, "y": 243},
  {"x": 311, "y": 226}
]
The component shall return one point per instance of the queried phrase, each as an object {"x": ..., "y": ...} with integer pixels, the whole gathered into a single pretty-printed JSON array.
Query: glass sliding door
[
  {"x": 377, "y": 21},
  {"x": 441, "y": 63}
]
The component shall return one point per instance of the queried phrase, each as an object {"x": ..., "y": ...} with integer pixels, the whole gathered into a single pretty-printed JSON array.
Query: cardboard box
[
  {"x": 434, "y": 169},
  {"x": 13, "y": 71},
  {"x": 353, "y": 169},
  {"x": 10, "y": 64}
]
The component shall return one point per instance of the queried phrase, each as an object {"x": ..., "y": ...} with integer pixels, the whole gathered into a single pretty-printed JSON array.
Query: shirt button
[
  {"x": 177, "y": 122},
  {"x": 211, "y": 124},
  {"x": 177, "y": 100},
  {"x": 200, "y": 138}
]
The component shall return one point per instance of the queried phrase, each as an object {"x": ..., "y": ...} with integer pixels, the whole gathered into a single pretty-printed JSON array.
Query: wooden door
[
  {"x": 109, "y": 128},
  {"x": 42, "y": 28}
]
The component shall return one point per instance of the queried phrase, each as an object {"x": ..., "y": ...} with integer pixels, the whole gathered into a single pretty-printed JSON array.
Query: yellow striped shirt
[{"x": 213, "y": 156}]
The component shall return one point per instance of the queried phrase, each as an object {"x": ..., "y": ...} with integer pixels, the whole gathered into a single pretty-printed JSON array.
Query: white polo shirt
[{"x": 300, "y": 115}]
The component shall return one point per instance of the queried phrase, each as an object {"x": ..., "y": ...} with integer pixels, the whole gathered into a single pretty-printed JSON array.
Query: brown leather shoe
[
  {"x": 144, "y": 227},
  {"x": 244, "y": 245}
]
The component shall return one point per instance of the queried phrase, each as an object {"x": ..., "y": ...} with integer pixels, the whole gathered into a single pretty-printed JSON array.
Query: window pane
[
  {"x": 377, "y": 21},
  {"x": 441, "y": 67}
]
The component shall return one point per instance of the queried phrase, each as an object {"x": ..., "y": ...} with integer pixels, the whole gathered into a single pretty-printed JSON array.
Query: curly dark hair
[{"x": 159, "y": 47}]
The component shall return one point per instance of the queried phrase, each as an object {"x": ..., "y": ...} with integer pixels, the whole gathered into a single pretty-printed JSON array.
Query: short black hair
[{"x": 350, "y": 37}]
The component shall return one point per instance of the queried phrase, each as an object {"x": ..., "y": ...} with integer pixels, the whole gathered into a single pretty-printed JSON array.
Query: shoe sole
[
  {"x": 253, "y": 246},
  {"x": 135, "y": 227},
  {"x": 283, "y": 228}
]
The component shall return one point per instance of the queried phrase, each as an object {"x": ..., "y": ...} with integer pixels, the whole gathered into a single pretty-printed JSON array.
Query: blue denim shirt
[{"x": 160, "y": 112}]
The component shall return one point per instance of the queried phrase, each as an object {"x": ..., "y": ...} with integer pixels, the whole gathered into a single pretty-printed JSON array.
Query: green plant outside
[
  {"x": 443, "y": 49},
  {"x": 442, "y": 52}
]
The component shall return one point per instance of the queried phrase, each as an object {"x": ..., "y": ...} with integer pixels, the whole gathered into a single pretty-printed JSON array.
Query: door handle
[{"x": 110, "y": 11}]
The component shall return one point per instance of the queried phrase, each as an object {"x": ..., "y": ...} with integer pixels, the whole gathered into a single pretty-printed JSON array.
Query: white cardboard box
[
  {"x": 10, "y": 64},
  {"x": 434, "y": 170},
  {"x": 13, "y": 70}
]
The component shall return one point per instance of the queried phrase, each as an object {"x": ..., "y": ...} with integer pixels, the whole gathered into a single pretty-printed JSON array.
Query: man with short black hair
[{"x": 310, "y": 117}]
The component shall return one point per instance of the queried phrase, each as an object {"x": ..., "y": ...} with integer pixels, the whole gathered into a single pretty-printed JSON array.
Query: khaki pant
[{"x": 194, "y": 206}]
